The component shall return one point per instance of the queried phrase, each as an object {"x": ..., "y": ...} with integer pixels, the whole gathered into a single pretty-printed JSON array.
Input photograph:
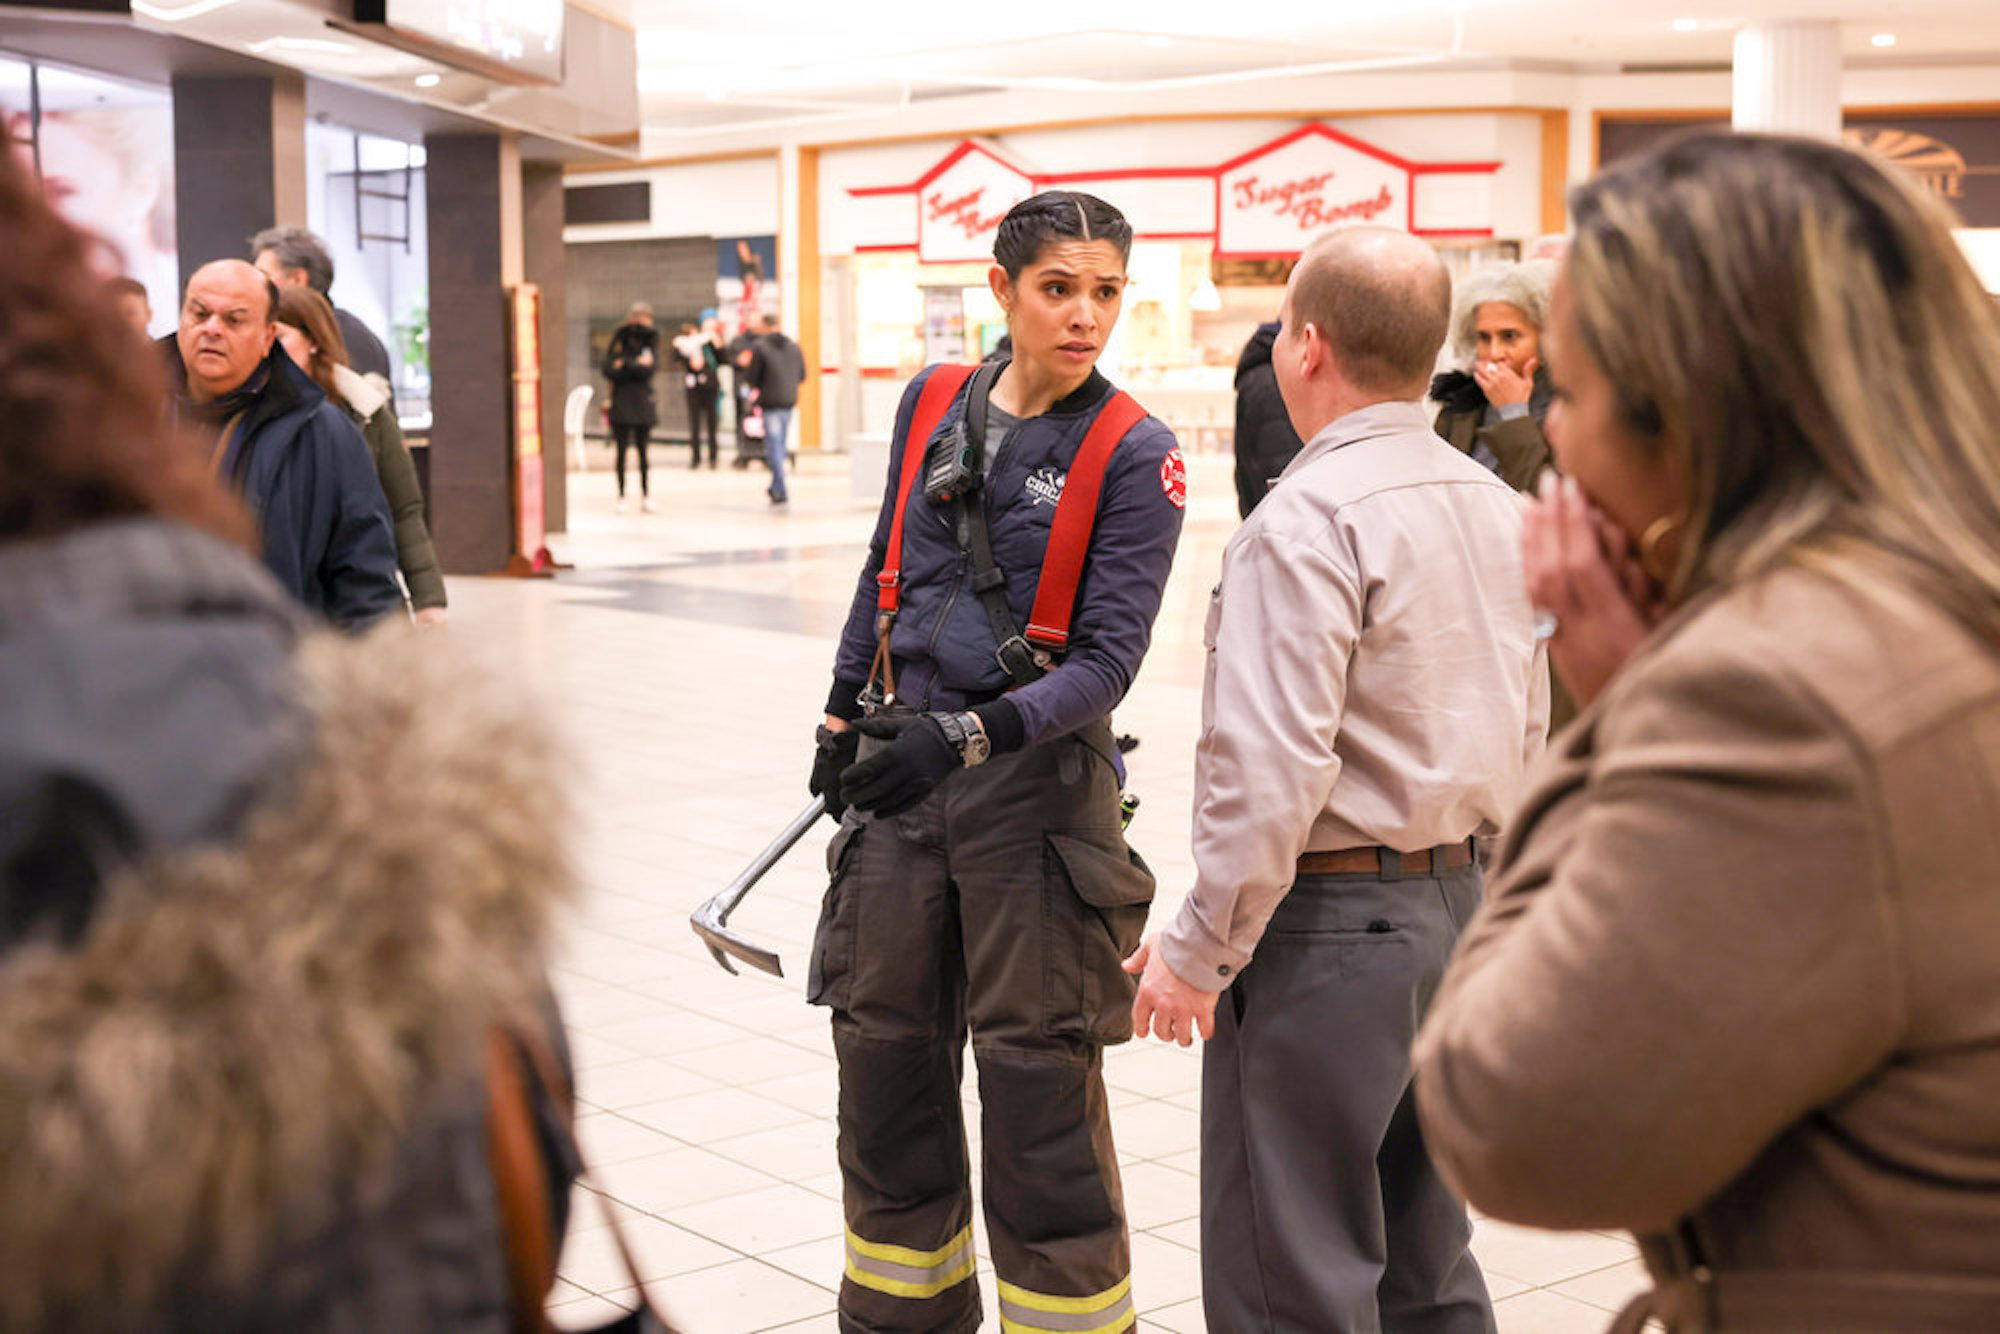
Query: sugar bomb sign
[
  {"x": 1277, "y": 199},
  {"x": 961, "y": 202}
]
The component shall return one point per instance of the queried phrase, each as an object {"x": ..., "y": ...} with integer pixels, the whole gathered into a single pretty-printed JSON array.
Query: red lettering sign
[
  {"x": 1306, "y": 201},
  {"x": 963, "y": 212}
]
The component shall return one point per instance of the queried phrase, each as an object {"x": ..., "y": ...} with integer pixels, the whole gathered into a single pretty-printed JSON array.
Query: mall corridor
[{"x": 685, "y": 657}]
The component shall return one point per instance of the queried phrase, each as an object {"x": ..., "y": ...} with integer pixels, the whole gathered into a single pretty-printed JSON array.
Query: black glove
[
  {"x": 832, "y": 752},
  {"x": 905, "y": 771}
]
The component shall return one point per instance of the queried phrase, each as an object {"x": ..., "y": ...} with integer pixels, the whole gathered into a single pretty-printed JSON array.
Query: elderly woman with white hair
[{"x": 1492, "y": 409}]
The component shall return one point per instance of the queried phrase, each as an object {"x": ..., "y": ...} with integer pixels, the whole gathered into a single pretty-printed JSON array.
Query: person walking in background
[
  {"x": 266, "y": 893},
  {"x": 1493, "y": 408},
  {"x": 1264, "y": 440},
  {"x": 1374, "y": 695},
  {"x": 275, "y": 437},
  {"x": 294, "y": 257},
  {"x": 629, "y": 363},
  {"x": 777, "y": 368},
  {"x": 699, "y": 376},
  {"x": 311, "y": 338},
  {"x": 1735, "y": 986}
]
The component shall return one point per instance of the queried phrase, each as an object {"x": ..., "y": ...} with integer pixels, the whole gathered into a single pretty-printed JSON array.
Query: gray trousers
[{"x": 1320, "y": 1209}]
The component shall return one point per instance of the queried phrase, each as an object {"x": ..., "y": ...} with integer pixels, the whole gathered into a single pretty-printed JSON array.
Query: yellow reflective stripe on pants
[
  {"x": 902, "y": 1272},
  {"x": 1025, "y": 1312}
]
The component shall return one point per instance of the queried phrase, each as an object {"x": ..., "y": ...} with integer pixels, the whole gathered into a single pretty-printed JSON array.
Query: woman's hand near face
[
  {"x": 1580, "y": 567},
  {"x": 1501, "y": 383}
]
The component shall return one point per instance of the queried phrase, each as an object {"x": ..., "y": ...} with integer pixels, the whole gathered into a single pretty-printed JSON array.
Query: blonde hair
[
  {"x": 1792, "y": 325},
  {"x": 1524, "y": 286}
]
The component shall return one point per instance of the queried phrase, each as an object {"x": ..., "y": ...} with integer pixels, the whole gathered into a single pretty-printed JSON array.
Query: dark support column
[
  {"x": 542, "y": 244},
  {"x": 239, "y": 162},
  {"x": 467, "y": 196}
]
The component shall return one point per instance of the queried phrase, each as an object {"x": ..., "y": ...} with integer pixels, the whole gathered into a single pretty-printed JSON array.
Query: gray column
[
  {"x": 471, "y": 181},
  {"x": 1787, "y": 79},
  {"x": 544, "y": 262},
  {"x": 239, "y": 162}
]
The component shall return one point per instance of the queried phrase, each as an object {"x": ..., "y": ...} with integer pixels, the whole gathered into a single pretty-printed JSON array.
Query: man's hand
[{"x": 1167, "y": 1007}]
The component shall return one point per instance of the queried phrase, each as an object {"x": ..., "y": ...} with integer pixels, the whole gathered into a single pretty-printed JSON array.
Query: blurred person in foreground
[
  {"x": 276, "y": 439},
  {"x": 261, "y": 911},
  {"x": 1735, "y": 987},
  {"x": 1493, "y": 408},
  {"x": 307, "y": 332}
]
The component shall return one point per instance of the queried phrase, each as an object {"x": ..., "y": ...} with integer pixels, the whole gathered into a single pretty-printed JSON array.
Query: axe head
[{"x": 725, "y": 944}]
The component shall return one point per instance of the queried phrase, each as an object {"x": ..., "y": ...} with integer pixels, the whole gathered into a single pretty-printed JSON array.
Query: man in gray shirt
[{"x": 1374, "y": 692}]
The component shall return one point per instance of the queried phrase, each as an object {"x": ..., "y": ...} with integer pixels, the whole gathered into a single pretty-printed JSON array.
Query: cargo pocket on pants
[
  {"x": 1095, "y": 895},
  {"x": 833, "y": 940}
]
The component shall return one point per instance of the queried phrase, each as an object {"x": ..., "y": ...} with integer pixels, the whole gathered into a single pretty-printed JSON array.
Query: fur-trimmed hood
[
  {"x": 248, "y": 1026},
  {"x": 1457, "y": 391}
]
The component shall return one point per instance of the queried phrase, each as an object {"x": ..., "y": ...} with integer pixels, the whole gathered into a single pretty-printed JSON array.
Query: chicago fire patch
[{"x": 1173, "y": 478}]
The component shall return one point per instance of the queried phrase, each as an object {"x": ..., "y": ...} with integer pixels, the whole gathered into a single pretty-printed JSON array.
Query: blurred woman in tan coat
[{"x": 1737, "y": 984}]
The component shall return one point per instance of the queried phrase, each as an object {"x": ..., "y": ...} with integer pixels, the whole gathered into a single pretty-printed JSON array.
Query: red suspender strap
[
  {"x": 1076, "y": 515},
  {"x": 938, "y": 392}
]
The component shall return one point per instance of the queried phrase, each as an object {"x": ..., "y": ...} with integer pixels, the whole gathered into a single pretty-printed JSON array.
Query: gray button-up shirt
[{"x": 1373, "y": 675}]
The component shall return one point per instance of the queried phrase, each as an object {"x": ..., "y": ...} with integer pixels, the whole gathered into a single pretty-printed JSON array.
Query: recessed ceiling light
[
  {"x": 1883, "y": 39},
  {"x": 429, "y": 80},
  {"x": 1686, "y": 25}
]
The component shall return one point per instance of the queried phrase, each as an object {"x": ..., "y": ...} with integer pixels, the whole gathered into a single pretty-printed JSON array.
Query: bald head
[
  {"x": 226, "y": 326},
  {"x": 1382, "y": 301}
]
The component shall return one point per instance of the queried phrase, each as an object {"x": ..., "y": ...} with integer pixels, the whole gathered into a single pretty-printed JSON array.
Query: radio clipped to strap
[{"x": 1024, "y": 656}]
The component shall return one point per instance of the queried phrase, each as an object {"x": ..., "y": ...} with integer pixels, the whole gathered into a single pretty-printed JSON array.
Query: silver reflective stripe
[
  {"x": 902, "y": 1272},
  {"x": 1025, "y": 1312}
]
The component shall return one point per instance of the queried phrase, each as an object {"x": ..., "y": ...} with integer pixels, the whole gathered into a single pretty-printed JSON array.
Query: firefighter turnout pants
[{"x": 1002, "y": 905}]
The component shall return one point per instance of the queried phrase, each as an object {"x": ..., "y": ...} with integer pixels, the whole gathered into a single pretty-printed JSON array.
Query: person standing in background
[
  {"x": 293, "y": 256},
  {"x": 293, "y": 455},
  {"x": 629, "y": 364},
  {"x": 1264, "y": 440},
  {"x": 311, "y": 338},
  {"x": 777, "y": 368},
  {"x": 698, "y": 363},
  {"x": 129, "y": 295},
  {"x": 1494, "y": 406}
]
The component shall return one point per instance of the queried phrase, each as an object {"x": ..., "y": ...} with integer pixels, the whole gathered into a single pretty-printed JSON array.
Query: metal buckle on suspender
[{"x": 1021, "y": 660}]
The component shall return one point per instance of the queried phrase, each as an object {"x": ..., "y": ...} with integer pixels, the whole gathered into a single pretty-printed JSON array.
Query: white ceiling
[{"x": 774, "y": 64}]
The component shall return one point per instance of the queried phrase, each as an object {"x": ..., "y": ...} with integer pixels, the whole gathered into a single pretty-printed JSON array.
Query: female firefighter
[{"x": 980, "y": 881}]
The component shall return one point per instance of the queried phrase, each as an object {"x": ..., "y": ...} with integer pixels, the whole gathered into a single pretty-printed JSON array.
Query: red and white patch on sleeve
[{"x": 1173, "y": 478}]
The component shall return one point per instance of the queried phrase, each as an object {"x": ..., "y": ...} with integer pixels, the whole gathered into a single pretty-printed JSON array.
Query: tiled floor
[{"x": 685, "y": 658}]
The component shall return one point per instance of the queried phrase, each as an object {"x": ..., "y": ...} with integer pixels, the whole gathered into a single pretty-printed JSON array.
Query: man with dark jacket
[
  {"x": 1265, "y": 440},
  {"x": 294, "y": 255},
  {"x": 298, "y": 461},
  {"x": 777, "y": 368}
]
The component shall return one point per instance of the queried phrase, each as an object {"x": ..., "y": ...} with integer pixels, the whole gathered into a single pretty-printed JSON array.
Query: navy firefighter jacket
[{"x": 942, "y": 642}]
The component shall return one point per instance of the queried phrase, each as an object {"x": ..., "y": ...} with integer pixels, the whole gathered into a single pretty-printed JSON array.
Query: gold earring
[{"x": 1658, "y": 531}]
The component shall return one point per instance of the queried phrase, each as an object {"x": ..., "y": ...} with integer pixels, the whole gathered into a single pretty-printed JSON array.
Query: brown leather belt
[{"x": 1355, "y": 861}]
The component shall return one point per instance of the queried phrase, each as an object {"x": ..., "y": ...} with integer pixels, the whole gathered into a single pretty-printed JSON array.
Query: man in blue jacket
[{"x": 296, "y": 458}]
